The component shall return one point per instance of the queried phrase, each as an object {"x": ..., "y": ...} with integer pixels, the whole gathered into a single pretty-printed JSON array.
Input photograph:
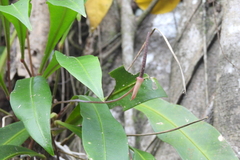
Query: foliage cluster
[{"x": 101, "y": 134}]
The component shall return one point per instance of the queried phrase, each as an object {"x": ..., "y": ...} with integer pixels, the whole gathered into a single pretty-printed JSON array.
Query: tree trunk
[{"x": 227, "y": 103}]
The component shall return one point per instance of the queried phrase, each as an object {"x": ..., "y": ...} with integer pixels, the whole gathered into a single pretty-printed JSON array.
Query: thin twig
[
  {"x": 5, "y": 112},
  {"x": 55, "y": 86},
  {"x": 135, "y": 58},
  {"x": 55, "y": 146},
  {"x": 9, "y": 72},
  {"x": 98, "y": 102},
  {"x": 64, "y": 111},
  {"x": 29, "y": 55},
  {"x": 186, "y": 25},
  {"x": 3, "y": 120},
  {"x": 146, "y": 12},
  {"x": 176, "y": 59},
  {"x": 26, "y": 67},
  {"x": 144, "y": 60},
  {"x": 139, "y": 52},
  {"x": 71, "y": 155},
  {"x": 204, "y": 7},
  {"x": 170, "y": 130},
  {"x": 65, "y": 140},
  {"x": 63, "y": 86}
]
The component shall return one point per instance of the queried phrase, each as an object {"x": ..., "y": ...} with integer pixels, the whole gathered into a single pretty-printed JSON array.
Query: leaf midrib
[
  {"x": 36, "y": 118},
  {"x": 89, "y": 77},
  {"x": 102, "y": 132},
  {"x": 14, "y": 136},
  {"x": 180, "y": 130},
  {"x": 101, "y": 126}
]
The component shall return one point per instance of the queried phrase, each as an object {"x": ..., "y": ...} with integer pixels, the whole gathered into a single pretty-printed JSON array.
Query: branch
[
  {"x": 174, "y": 129},
  {"x": 146, "y": 12},
  {"x": 99, "y": 102}
]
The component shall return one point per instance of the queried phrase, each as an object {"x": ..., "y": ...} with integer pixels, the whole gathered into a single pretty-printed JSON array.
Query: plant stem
[
  {"x": 146, "y": 12},
  {"x": 139, "y": 52},
  {"x": 71, "y": 155},
  {"x": 29, "y": 55},
  {"x": 144, "y": 55},
  {"x": 26, "y": 67},
  {"x": 99, "y": 102},
  {"x": 5, "y": 112},
  {"x": 170, "y": 130}
]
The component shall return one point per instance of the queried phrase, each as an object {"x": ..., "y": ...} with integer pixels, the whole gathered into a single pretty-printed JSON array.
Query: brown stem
[
  {"x": 99, "y": 102},
  {"x": 25, "y": 65},
  {"x": 144, "y": 56},
  {"x": 30, "y": 56},
  {"x": 170, "y": 130},
  {"x": 55, "y": 146},
  {"x": 9, "y": 75},
  {"x": 139, "y": 52},
  {"x": 146, "y": 12}
]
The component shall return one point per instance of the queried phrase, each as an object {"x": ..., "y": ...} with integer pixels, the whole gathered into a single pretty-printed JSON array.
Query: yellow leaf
[
  {"x": 96, "y": 11},
  {"x": 163, "y": 6}
]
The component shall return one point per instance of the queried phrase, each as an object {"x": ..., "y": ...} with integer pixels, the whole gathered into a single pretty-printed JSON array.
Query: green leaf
[
  {"x": 125, "y": 81},
  {"x": 198, "y": 141},
  {"x": 52, "y": 67},
  {"x": 18, "y": 14},
  {"x": 73, "y": 128},
  {"x": 4, "y": 2},
  {"x": 75, "y": 5},
  {"x": 31, "y": 103},
  {"x": 3, "y": 85},
  {"x": 141, "y": 155},
  {"x": 18, "y": 11},
  {"x": 10, "y": 151},
  {"x": 3, "y": 59},
  {"x": 61, "y": 18},
  {"x": 86, "y": 69},
  {"x": 102, "y": 135},
  {"x": 13, "y": 134},
  {"x": 6, "y": 27},
  {"x": 75, "y": 118}
]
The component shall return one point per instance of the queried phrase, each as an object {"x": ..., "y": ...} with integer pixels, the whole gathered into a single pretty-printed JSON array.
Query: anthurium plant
[{"x": 103, "y": 137}]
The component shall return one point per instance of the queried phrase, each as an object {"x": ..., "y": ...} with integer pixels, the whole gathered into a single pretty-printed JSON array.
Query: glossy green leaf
[
  {"x": 3, "y": 59},
  {"x": 125, "y": 81},
  {"x": 75, "y": 5},
  {"x": 13, "y": 134},
  {"x": 4, "y": 2},
  {"x": 18, "y": 14},
  {"x": 3, "y": 85},
  {"x": 18, "y": 11},
  {"x": 31, "y": 103},
  {"x": 86, "y": 69},
  {"x": 61, "y": 18},
  {"x": 6, "y": 28},
  {"x": 52, "y": 67},
  {"x": 197, "y": 141},
  {"x": 75, "y": 118},
  {"x": 103, "y": 136},
  {"x": 10, "y": 151},
  {"x": 75, "y": 129},
  {"x": 141, "y": 155}
]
